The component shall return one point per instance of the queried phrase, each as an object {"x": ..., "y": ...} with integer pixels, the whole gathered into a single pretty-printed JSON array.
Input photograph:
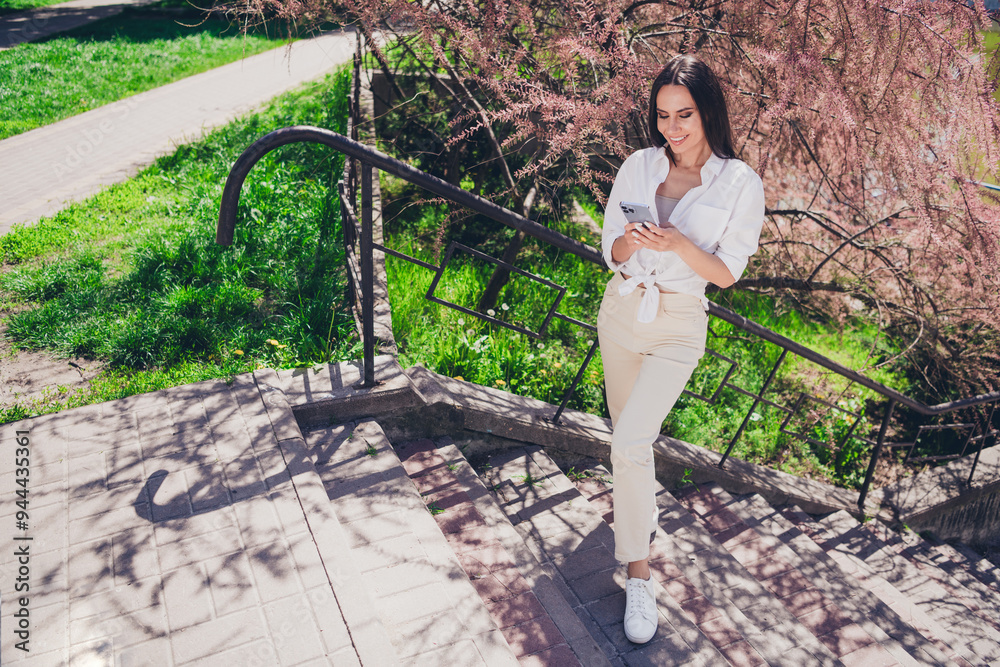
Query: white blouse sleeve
[
  {"x": 740, "y": 238},
  {"x": 614, "y": 219}
]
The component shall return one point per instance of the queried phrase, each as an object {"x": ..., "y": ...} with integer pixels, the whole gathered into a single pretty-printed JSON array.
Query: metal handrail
[
  {"x": 369, "y": 157},
  {"x": 302, "y": 133},
  {"x": 379, "y": 160}
]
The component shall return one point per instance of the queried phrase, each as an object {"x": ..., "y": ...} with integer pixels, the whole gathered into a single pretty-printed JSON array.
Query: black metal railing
[{"x": 359, "y": 174}]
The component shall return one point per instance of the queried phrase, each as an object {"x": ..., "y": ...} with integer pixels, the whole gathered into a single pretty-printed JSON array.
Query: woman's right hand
[{"x": 625, "y": 246}]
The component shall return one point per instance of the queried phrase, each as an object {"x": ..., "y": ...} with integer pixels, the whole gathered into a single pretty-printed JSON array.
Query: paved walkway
[
  {"x": 34, "y": 24},
  {"x": 182, "y": 526},
  {"x": 44, "y": 170}
]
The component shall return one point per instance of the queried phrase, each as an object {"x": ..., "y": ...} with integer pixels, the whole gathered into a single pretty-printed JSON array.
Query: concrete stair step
[
  {"x": 429, "y": 611},
  {"x": 523, "y": 595},
  {"x": 366, "y": 630},
  {"x": 712, "y": 554},
  {"x": 974, "y": 594},
  {"x": 567, "y": 533},
  {"x": 901, "y": 585},
  {"x": 981, "y": 568},
  {"x": 851, "y": 602}
]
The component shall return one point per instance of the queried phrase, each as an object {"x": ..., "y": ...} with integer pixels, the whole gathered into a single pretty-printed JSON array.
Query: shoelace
[{"x": 639, "y": 602}]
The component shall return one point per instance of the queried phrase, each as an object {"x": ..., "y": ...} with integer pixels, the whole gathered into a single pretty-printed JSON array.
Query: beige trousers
[{"x": 645, "y": 369}]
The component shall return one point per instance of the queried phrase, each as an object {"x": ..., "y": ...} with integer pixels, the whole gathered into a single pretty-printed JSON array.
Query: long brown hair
[{"x": 701, "y": 82}]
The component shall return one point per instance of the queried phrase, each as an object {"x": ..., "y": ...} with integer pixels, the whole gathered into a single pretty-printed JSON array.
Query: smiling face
[{"x": 679, "y": 122}]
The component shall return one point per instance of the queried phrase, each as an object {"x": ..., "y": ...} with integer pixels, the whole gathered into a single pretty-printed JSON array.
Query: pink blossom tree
[{"x": 871, "y": 123}]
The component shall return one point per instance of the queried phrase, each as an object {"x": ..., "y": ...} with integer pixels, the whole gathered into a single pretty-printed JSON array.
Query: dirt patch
[{"x": 27, "y": 377}]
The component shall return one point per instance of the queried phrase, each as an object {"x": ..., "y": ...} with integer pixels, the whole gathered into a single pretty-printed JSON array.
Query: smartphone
[{"x": 635, "y": 212}]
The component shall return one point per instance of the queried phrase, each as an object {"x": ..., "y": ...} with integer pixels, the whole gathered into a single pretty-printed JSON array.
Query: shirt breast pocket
[{"x": 705, "y": 225}]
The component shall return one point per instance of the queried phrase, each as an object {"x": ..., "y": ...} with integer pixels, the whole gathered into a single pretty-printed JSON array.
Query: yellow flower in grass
[
  {"x": 271, "y": 341},
  {"x": 500, "y": 383},
  {"x": 238, "y": 353}
]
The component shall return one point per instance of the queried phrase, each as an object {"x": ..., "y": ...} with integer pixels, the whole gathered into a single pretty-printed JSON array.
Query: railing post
[
  {"x": 875, "y": 454},
  {"x": 576, "y": 381},
  {"x": 987, "y": 431},
  {"x": 367, "y": 276},
  {"x": 756, "y": 402}
]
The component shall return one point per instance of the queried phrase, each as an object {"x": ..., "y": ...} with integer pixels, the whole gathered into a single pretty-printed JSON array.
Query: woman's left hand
[{"x": 661, "y": 239}]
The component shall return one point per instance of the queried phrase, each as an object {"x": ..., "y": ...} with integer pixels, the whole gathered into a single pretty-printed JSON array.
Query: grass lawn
[
  {"x": 133, "y": 277},
  {"x": 69, "y": 73},
  {"x": 452, "y": 343}
]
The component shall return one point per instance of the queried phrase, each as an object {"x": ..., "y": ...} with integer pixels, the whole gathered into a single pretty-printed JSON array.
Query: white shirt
[{"x": 722, "y": 216}]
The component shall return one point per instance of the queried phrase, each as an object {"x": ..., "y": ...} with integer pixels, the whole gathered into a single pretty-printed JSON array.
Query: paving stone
[
  {"x": 492, "y": 588},
  {"x": 665, "y": 649},
  {"x": 681, "y": 589},
  {"x": 598, "y": 584},
  {"x": 88, "y": 475},
  {"x": 788, "y": 582},
  {"x": 664, "y": 569},
  {"x": 99, "y": 652},
  {"x": 396, "y": 578},
  {"x": 447, "y": 499},
  {"x": 608, "y": 610},
  {"x": 260, "y": 652},
  {"x": 480, "y": 562},
  {"x": 427, "y": 634},
  {"x": 179, "y": 450},
  {"x": 388, "y": 552},
  {"x": 412, "y": 604},
  {"x": 846, "y": 639},
  {"x": 583, "y": 563},
  {"x": 141, "y": 594},
  {"x": 169, "y": 495},
  {"x": 871, "y": 655},
  {"x": 742, "y": 654},
  {"x": 123, "y": 628},
  {"x": 825, "y": 620},
  {"x": 292, "y": 630},
  {"x": 473, "y": 538},
  {"x": 493, "y": 648},
  {"x": 330, "y": 619},
  {"x": 152, "y": 653},
  {"x": 376, "y": 529},
  {"x": 378, "y": 496},
  {"x": 515, "y": 610},
  {"x": 720, "y": 631},
  {"x": 463, "y": 653},
  {"x": 557, "y": 656},
  {"x": 243, "y": 477},
  {"x": 419, "y": 457},
  {"x": 214, "y": 636},
  {"x": 187, "y": 596},
  {"x": 532, "y": 636},
  {"x": 90, "y": 567},
  {"x": 700, "y": 610},
  {"x": 230, "y": 583},
  {"x": 225, "y": 539}
]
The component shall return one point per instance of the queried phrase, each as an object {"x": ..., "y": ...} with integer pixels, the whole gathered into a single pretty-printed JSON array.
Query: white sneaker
[{"x": 640, "y": 610}]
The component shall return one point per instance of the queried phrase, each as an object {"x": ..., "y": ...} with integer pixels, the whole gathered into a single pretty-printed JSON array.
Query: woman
[{"x": 652, "y": 323}]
